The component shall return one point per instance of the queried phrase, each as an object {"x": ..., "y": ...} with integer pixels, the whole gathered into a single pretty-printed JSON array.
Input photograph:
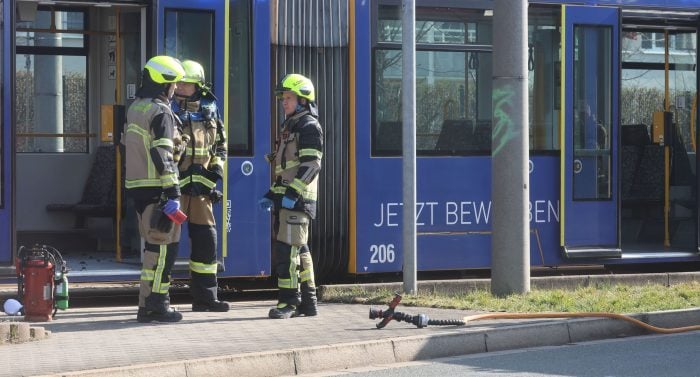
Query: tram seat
[
  {"x": 682, "y": 173},
  {"x": 648, "y": 182},
  {"x": 457, "y": 135},
  {"x": 388, "y": 137},
  {"x": 630, "y": 155},
  {"x": 635, "y": 134},
  {"x": 482, "y": 135},
  {"x": 634, "y": 138},
  {"x": 99, "y": 194}
]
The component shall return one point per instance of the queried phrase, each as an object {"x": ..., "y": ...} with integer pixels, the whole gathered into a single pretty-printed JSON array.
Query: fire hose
[{"x": 422, "y": 320}]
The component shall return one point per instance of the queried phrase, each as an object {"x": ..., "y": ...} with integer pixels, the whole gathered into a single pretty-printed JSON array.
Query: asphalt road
[{"x": 643, "y": 356}]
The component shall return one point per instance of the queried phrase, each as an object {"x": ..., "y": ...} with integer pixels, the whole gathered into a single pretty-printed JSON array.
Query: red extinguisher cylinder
[{"x": 37, "y": 275}]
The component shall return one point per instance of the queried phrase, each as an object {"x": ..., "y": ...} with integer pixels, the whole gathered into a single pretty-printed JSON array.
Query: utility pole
[
  {"x": 408, "y": 101},
  {"x": 510, "y": 244}
]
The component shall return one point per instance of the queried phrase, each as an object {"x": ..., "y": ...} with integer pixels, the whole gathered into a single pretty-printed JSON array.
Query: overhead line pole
[
  {"x": 408, "y": 100},
  {"x": 510, "y": 244}
]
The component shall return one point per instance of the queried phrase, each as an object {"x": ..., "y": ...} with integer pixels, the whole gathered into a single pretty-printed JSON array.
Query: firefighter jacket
[
  {"x": 202, "y": 164},
  {"x": 153, "y": 147},
  {"x": 297, "y": 162}
]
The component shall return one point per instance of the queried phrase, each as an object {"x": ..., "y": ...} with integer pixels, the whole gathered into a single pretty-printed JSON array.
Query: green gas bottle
[{"x": 61, "y": 291}]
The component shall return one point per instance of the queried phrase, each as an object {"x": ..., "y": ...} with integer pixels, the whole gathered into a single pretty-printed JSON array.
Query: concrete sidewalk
[
  {"x": 108, "y": 341},
  {"x": 244, "y": 342}
]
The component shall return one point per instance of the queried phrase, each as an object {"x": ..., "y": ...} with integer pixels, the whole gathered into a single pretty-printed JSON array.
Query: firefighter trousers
[
  {"x": 293, "y": 262},
  {"x": 158, "y": 259},
  {"x": 201, "y": 227},
  {"x": 294, "y": 268}
]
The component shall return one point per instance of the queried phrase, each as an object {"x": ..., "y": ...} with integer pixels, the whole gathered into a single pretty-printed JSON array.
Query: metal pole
[
  {"x": 410, "y": 281},
  {"x": 48, "y": 88},
  {"x": 510, "y": 255}
]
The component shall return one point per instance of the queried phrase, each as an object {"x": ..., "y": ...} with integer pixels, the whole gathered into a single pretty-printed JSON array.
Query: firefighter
[
  {"x": 201, "y": 167},
  {"x": 153, "y": 146},
  {"x": 293, "y": 196}
]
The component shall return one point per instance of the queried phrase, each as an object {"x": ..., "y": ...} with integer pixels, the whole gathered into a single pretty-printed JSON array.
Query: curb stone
[
  {"x": 20, "y": 332},
  {"x": 550, "y": 332}
]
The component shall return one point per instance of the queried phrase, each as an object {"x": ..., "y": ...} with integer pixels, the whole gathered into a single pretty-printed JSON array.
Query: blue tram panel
[
  {"x": 679, "y": 4},
  {"x": 454, "y": 214},
  {"x": 6, "y": 176}
]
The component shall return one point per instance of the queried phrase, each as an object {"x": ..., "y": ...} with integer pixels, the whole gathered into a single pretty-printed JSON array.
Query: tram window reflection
[
  {"x": 51, "y": 68},
  {"x": 185, "y": 32},
  {"x": 453, "y": 82},
  {"x": 592, "y": 158},
  {"x": 544, "y": 78},
  {"x": 239, "y": 122}
]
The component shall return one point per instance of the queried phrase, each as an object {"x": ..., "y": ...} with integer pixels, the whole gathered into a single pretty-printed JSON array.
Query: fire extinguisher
[{"x": 42, "y": 284}]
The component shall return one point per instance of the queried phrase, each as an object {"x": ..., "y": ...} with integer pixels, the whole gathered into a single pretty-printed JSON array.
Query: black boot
[
  {"x": 283, "y": 311},
  {"x": 146, "y": 316},
  {"x": 309, "y": 303},
  {"x": 158, "y": 309},
  {"x": 214, "y": 306}
]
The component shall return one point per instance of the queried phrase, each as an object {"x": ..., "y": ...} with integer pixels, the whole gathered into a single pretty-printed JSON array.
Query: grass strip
[{"x": 601, "y": 298}]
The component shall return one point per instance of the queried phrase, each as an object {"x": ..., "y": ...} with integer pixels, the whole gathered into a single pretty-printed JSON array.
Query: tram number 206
[{"x": 382, "y": 253}]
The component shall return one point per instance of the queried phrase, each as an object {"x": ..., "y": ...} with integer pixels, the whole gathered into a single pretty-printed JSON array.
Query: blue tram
[{"x": 612, "y": 128}]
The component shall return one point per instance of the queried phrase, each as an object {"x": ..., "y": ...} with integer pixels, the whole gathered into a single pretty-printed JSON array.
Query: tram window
[
  {"x": 453, "y": 82},
  {"x": 186, "y": 36},
  {"x": 239, "y": 121},
  {"x": 592, "y": 112},
  {"x": 51, "y": 83},
  {"x": 544, "y": 78},
  {"x": 643, "y": 78},
  {"x": 652, "y": 41}
]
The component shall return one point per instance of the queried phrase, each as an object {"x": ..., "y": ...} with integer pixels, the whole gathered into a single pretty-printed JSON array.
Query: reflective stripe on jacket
[
  {"x": 153, "y": 146},
  {"x": 202, "y": 164},
  {"x": 297, "y": 162}
]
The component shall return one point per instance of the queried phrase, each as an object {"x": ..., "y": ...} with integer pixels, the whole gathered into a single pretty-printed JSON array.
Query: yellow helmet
[
  {"x": 194, "y": 72},
  {"x": 300, "y": 85},
  {"x": 164, "y": 69}
]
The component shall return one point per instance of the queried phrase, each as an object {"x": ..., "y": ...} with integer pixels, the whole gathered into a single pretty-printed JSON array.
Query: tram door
[
  {"x": 72, "y": 70},
  {"x": 589, "y": 215},
  {"x": 658, "y": 136},
  {"x": 194, "y": 30},
  {"x": 216, "y": 33}
]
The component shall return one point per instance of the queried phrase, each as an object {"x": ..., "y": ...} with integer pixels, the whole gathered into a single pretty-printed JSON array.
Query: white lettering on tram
[
  {"x": 543, "y": 211},
  {"x": 482, "y": 213},
  {"x": 468, "y": 212},
  {"x": 425, "y": 214}
]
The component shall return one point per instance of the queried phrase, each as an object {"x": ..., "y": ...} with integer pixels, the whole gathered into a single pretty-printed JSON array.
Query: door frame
[
  {"x": 577, "y": 238},
  {"x": 219, "y": 10},
  {"x": 7, "y": 150}
]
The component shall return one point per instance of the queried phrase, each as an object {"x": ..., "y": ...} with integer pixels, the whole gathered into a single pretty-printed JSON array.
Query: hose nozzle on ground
[{"x": 420, "y": 320}]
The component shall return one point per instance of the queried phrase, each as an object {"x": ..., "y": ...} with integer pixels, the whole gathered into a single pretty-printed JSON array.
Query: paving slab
[{"x": 109, "y": 342}]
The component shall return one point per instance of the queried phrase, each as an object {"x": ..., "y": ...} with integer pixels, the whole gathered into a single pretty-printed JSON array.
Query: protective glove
[
  {"x": 171, "y": 206},
  {"x": 160, "y": 221},
  {"x": 288, "y": 202},
  {"x": 215, "y": 196},
  {"x": 265, "y": 204}
]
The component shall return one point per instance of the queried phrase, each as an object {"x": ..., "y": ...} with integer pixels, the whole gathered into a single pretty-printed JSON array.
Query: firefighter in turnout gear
[
  {"x": 153, "y": 147},
  {"x": 293, "y": 196},
  {"x": 201, "y": 166}
]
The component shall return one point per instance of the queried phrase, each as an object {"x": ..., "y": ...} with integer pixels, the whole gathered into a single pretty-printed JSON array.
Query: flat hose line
[
  {"x": 422, "y": 320},
  {"x": 662, "y": 330}
]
